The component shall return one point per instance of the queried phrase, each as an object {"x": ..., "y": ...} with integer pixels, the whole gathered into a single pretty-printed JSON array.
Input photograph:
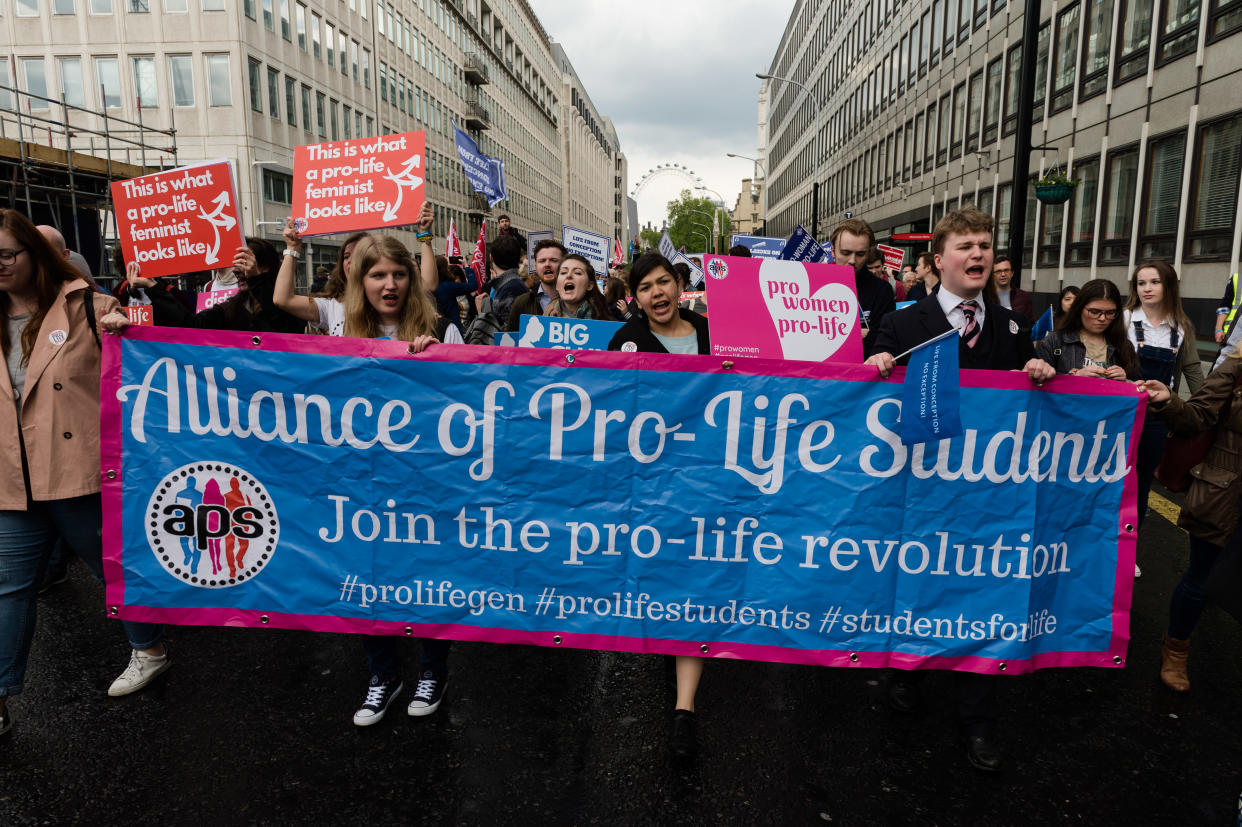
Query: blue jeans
[
  {"x": 26, "y": 541},
  {"x": 381, "y": 654},
  {"x": 1189, "y": 597}
]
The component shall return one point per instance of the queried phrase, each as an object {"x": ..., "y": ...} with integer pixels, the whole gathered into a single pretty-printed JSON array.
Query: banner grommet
[
  {"x": 1002, "y": 666},
  {"x": 727, "y": 365},
  {"x": 556, "y": 639},
  {"x": 853, "y": 657},
  {"x": 409, "y": 632},
  {"x": 569, "y": 357},
  {"x": 110, "y": 474},
  {"x": 256, "y": 341},
  {"x": 112, "y": 610},
  {"x": 1117, "y": 659},
  {"x": 264, "y": 619},
  {"x": 703, "y": 648}
]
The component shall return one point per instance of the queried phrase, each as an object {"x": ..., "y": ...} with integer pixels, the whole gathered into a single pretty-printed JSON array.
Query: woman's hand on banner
[
  {"x": 1039, "y": 371},
  {"x": 883, "y": 362},
  {"x": 1157, "y": 392},
  {"x": 114, "y": 322},
  {"x": 1115, "y": 372},
  {"x": 421, "y": 343}
]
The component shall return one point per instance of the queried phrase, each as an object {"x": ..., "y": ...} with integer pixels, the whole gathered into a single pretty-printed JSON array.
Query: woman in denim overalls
[{"x": 1165, "y": 342}]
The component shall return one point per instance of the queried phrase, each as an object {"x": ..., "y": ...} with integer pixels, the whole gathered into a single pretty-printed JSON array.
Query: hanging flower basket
[{"x": 1055, "y": 187}]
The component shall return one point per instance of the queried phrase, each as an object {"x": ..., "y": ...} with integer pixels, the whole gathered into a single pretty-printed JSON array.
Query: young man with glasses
[{"x": 1008, "y": 294}]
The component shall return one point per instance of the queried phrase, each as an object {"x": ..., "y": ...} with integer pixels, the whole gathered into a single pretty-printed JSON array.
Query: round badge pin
[
  {"x": 299, "y": 224},
  {"x": 57, "y": 337},
  {"x": 1013, "y": 326},
  {"x": 629, "y": 347}
]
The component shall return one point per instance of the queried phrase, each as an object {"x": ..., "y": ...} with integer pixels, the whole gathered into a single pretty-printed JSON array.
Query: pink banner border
[{"x": 112, "y": 476}]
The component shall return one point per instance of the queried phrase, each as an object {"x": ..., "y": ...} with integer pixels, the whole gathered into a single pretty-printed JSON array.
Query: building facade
[
  {"x": 914, "y": 105},
  {"x": 747, "y": 216},
  {"x": 248, "y": 80}
]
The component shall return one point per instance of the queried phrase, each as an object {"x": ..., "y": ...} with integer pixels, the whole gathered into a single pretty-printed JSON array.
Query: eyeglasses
[
  {"x": 7, "y": 257},
  {"x": 1100, "y": 314}
]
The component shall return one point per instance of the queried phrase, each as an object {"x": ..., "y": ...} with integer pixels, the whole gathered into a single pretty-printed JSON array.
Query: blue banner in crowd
[
  {"x": 931, "y": 398},
  {"x": 760, "y": 246},
  {"x": 486, "y": 175},
  {"x": 639, "y": 502},
  {"x": 802, "y": 246},
  {"x": 560, "y": 333}
]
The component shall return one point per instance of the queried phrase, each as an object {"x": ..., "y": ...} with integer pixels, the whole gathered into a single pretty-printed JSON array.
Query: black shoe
[
  {"x": 983, "y": 753},
  {"x": 380, "y": 693},
  {"x": 429, "y": 693},
  {"x": 903, "y": 696},
  {"x": 54, "y": 577},
  {"x": 681, "y": 740}
]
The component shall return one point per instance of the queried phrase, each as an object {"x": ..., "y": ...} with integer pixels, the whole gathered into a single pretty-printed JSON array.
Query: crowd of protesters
[{"x": 54, "y": 315}]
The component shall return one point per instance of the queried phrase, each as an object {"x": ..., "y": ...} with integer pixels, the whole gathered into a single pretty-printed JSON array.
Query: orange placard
[
  {"x": 140, "y": 314},
  {"x": 181, "y": 220},
  {"x": 361, "y": 184}
]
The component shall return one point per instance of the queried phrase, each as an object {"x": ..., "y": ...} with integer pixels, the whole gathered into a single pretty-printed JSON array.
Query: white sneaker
[
  {"x": 141, "y": 671},
  {"x": 1137, "y": 572}
]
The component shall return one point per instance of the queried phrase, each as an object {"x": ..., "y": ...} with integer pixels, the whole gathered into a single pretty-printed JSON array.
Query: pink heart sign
[{"x": 782, "y": 309}]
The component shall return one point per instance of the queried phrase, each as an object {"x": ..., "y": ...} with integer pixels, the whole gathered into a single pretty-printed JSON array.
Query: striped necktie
[{"x": 970, "y": 333}]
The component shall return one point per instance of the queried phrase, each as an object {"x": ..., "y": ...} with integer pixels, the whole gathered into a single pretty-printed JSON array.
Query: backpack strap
[{"x": 89, "y": 306}]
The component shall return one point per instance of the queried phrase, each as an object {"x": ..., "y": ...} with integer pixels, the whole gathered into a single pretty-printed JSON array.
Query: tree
[
  {"x": 690, "y": 222},
  {"x": 650, "y": 237}
]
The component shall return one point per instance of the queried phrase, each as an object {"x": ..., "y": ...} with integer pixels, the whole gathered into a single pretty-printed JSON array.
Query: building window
[
  {"x": 1179, "y": 30},
  {"x": 268, "y": 16},
  {"x": 1050, "y": 230},
  {"x": 277, "y": 187},
  {"x": 959, "y": 120},
  {"x": 329, "y": 42},
  {"x": 321, "y": 119},
  {"x": 1099, "y": 24},
  {"x": 176, "y": 6},
  {"x": 219, "y": 89},
  {"x": 1004, "y": 203},
  {"x": 1066, "y": 60},
  {"x": 1028, "y": 236},
  {"x": 273, "y": 93},
  {"x": 1013, "y": 89},
  {"x": 1041, "y": 70},
  {"x": 963, "y": 20},
  {"x": 332, "y": 113},
  {"x": 1213, "y": 205},
  {"x": 345, "y": 118},
  {"x": 946, "y": 130},
  {"x": 341, "y": 43},
  {"x": 984, "y": 201},
  {"x": 992, "y": 105},
  {"x": 929, "y": 143},
  {"x": 932, "y": 32},
  {"x": 300, "y": 20},
  {"x": 1224, "y": 17},
  {"x": 306, "y": 109},
  {"x": 138, "y": 6},
  {"x": 949, "y": 26},
  {"x": 907, "y": 151},
  {"x": 72, "y": 91},
  {"x": 1082, "y": 213},
  {"x": 974, "y": 112},
  {"x": 1165, "y": 156},
  {"x": 108, "y": 73},
  {"x": 248, "y": 7},
  {"x": 316, "y": 45},
  {"x": 1121, "y": 187},
  {"x": 917, "y": 156},
  {"x": 34, "y": 81},
  {"x": 62, "y": 7},
  {"x": 144, "y": 82},
  {"x": 101, "y": 6},
  {"x": 291, "y": 101},
  {"x": 366, "y": 67},
  {"x": 1133, "y": 39},
  {"x": 26, "y": 8},
  {"x": 181, "y": 78},
  {"x": 286, "y": 27},
  {"x": 255, "y": 74}
]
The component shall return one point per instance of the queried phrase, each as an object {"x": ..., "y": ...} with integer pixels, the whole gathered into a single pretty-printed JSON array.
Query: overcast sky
[{"x": 677, "y": 77}]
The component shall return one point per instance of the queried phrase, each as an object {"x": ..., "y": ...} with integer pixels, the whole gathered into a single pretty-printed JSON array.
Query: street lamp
[
  {"x": 815, "y": 125},
  {"x": 719, "y": 201},
  {"x": 759, "y": 168},
  {"x": 711, "y": 222}
]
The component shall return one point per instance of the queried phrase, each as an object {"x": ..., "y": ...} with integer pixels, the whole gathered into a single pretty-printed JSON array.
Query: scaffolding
[{"x": 60, "y": 169}]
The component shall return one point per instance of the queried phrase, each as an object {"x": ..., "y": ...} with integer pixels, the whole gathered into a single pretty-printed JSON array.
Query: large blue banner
[
  {"x": 641, "y": 502},
  {"x": 560, "y": 333}
]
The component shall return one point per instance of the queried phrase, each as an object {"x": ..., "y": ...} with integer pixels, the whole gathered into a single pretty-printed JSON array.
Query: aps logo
[
  {"x": 216, "y": 508},
  {"x": 717, "y": 268}
]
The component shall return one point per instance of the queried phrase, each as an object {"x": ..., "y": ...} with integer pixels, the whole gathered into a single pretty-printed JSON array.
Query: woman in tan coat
[
  {"x": 49, "y": 445},
  {"x": 1211, "y": 511}
]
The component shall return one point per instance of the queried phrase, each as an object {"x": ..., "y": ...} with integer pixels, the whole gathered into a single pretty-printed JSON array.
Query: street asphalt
[{"x": 253, "y": 726}]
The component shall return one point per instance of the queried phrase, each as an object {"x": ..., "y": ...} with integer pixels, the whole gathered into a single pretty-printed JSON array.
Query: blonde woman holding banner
[{"x": 381, "y": 300}]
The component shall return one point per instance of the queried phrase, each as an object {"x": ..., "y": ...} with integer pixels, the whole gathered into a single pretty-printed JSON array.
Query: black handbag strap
[{"x": 88, "y": 305}]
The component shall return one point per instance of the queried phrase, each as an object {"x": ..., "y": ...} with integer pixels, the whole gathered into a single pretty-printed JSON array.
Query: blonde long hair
[{"x": 418, "y": 315}]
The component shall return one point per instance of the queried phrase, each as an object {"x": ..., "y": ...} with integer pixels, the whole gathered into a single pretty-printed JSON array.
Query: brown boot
[{"x": 1173, "y": 657}]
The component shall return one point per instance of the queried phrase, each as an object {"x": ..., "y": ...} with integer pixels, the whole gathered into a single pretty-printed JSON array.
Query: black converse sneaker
[
  {"x": 379, "y": 695},
  {"x": 429, "y": 693}
]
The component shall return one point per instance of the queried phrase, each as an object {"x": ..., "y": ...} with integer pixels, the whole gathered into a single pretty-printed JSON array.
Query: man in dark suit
[
  {"x": 852, "y": 240},
  {"x": 991, "y": 337}
]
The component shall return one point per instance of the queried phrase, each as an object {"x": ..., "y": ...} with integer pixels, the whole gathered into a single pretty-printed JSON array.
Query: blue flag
[
  {"x": 486, "y": 175},
  {"x": 802, "y": 246},
  {"x": 1042, "y": 327},
  {"x": 931, "y": 399}
]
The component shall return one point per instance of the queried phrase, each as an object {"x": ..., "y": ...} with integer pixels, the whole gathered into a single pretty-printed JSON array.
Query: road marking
[{"x": 1164, "y": 507}]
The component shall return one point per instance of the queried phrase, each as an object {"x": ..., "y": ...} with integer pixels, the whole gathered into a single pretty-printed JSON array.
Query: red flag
[
  {"x": 618, "y": 256},
  {"x": 451, "y": 247},
  {"x": 479, "y": 260}
]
